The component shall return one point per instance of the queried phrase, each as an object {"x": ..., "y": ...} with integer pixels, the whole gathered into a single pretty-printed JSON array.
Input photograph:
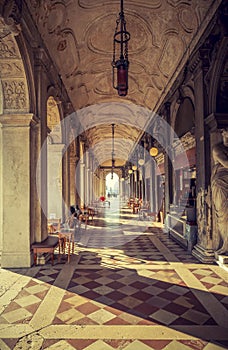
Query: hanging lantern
[{"x": 120, "y": 44}]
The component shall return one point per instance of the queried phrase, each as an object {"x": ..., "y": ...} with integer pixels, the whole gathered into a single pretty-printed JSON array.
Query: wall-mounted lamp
[
  {"x": 141, "y": 161},
  {"x": 153, "y": 151},
  {"x": 120, "y": 44}
]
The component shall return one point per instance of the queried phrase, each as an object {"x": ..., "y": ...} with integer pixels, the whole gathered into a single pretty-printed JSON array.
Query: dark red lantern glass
[{"x": 122, "y": 79}]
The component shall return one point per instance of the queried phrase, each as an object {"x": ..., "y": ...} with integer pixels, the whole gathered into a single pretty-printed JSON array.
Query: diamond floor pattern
[{"x": 129, "y": 296}]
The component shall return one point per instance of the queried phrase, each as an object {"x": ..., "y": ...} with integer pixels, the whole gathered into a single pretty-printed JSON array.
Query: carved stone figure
[{"x": 219, "y": 185}]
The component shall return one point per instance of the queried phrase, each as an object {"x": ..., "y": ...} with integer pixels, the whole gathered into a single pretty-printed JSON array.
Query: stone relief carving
[
  {"x": 14, "y": 95},
  {"x": 57, "y": 17},
  {"x": 203, "y": 214},
  {"x": 12, "y": 75},
  {"x": 67, "y": 52},
  {"x": 12, "y": 15},
  {"x": 219, "y": 185},
  {"x": 8, "y": 48},
  {"x": 173, "y": 46},
  {"x": 187, "y": 19},
  {"x": 11, "y": 69},
  {"x": 135, "y": 23}
]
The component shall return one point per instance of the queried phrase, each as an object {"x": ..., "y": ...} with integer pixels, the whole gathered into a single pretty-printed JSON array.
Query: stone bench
[{"x": 46, "y": 246}]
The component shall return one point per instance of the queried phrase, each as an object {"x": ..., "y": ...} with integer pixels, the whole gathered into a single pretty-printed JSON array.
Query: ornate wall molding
[{"x": 148, "y": 4}]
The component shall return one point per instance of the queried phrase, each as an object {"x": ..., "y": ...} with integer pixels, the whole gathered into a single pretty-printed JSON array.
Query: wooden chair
[
  {"x": 46, "y": 246},
  {"x": 66, "y": 242}
]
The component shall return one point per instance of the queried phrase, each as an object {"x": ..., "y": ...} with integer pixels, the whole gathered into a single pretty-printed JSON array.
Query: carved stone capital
[
  {"x": 16, "y": 120},
  {"x": 217, "y": 121}
]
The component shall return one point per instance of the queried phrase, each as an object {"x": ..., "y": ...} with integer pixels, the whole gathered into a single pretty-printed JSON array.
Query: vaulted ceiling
[{"x": 79, "y": 37}]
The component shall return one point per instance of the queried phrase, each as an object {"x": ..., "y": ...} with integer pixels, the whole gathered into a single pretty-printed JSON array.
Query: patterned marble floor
[{"x": 125, "y": 288}]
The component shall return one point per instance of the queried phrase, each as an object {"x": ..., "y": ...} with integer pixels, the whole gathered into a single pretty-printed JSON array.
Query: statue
[{"x": 219, "y": 185}]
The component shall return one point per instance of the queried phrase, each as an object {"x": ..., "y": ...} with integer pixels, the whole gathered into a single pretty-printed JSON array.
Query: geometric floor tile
[
  {"x": 126, "y": 296},
  {"x": 164, "y": 317},
  {"x": 16, "y": 315}
]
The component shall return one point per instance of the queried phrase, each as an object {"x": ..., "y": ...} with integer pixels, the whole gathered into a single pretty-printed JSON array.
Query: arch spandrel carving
[{"x": 15, "y": 97}]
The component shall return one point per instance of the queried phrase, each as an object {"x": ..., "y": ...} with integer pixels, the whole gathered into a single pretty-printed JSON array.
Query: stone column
[
  {"x": 36, "y": 209},
  {"x": 55, "y": 199},
  {"x": 15, "y": 190},
  {"x": 82, "y": 183},
  {"x": 143, "y": 182},
  {"x": 66, "y": 182},
  {"x": 87, "y": 179},
  {"x": 73, "y": 189},
  {"x": 77, "y": 172},
  {"x": 168, "y": 164},
  {"x": 40, "y": 69},
  {"x": 203, "y": 250},
  {"x": 152, "y": 186}
]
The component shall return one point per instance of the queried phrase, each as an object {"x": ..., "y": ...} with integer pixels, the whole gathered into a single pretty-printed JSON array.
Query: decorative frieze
[{"x": 10, "y": 69}]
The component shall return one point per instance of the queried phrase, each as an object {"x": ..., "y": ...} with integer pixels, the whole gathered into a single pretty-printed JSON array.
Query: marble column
[
  {"x": 73, "y": 189},
  {"x": 152, "y": 186},
  {"x": 36, "y": 208},
  {"x": 82, "y": 183},
  {"x": 66, "y": 183},
  {"x": 15, "y": 184},
  {"x": 55, "y": 179},
  {"x": 77, "y": 172},
  {"x": 168, "y": 164},
  {"x": 203, "y": 250}
]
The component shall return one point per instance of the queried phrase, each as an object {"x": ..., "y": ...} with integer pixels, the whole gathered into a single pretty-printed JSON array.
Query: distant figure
[
  {"x": 72, "y": 209},
  {"x": 78, "y": 211},
  {"x": 219, "y": 185}
]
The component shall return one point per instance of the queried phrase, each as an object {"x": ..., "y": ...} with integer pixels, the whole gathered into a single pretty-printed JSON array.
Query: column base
[
  {"x": 222, "y": 260},
  {"x": 16, "y": 259},
  {"x": 206, "y": 256}
]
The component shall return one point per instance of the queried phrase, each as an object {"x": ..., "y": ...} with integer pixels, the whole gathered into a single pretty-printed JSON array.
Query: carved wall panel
[{"x": 14, "y": 95}]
